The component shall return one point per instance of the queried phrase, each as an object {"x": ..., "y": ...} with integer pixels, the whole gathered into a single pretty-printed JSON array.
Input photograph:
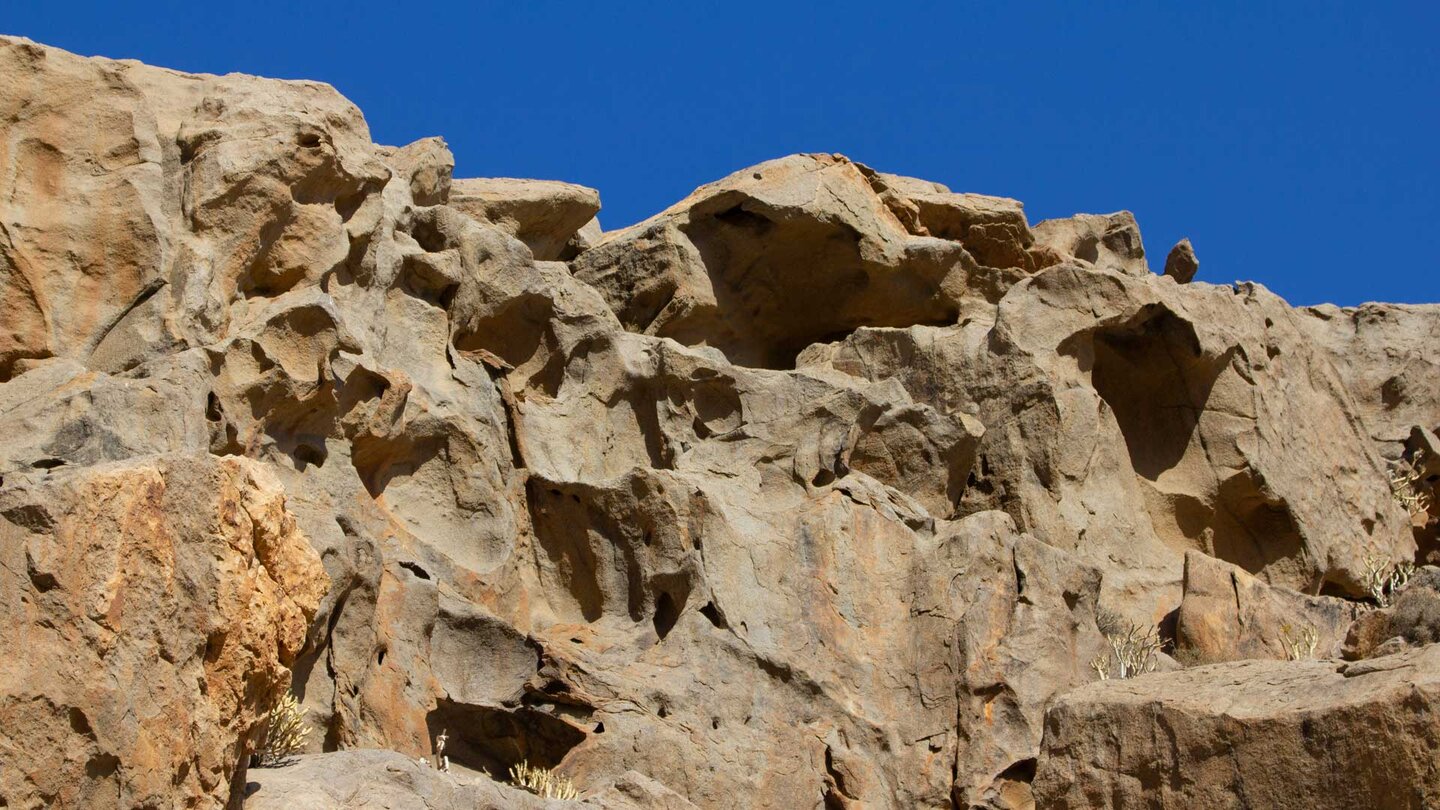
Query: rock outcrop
[
  {"x": 150, "y": 611},
  {"x": 817, "y": 489},
  {"x": 1308, "y": 734}
]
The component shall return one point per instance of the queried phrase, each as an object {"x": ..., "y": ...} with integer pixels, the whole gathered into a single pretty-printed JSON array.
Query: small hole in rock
[
  {"x": 666, "y": 614},
  {"x": 213, "y": 411},
  {"x": 713, "y": 614}
]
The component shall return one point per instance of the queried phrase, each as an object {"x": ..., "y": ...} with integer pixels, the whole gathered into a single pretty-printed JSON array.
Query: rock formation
[{"x": 823, "y": 487}]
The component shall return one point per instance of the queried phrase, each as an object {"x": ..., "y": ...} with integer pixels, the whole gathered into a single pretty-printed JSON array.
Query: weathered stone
[
  {"x": 802, "y": 493},
  {"x": 1412, "y": 619},
  {"x": 380, "y": 780},
  {"x": 544, "y": 214},
  {"x": 150, "y": 608},
  {"x": 1227, "y": 615},
  {"x": 1181, "y": 264},
  {"x": 1309, "y": 734},
  {"x": 1104, "y": 241},
  {"x": 1386, "y": 355}
]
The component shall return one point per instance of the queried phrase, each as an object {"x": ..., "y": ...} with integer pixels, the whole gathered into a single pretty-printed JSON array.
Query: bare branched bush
[
  {"x": 1301, "y": 645},
  {"x": 1132, "y": 648},
  {"x": 543, "y": 783},
  {"x": 285, "y": 732},
  {"x": 1407, "y": 484},
  {"x": 1384, "y": 579}
]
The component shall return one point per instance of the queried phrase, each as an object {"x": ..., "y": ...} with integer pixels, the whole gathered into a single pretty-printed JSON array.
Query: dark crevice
[
  {"x": 492, "y": 740},
  {"x": 146, "y": 293},
  {"x": 666, "y": 614},
  {"x": 715, "y": 617}
]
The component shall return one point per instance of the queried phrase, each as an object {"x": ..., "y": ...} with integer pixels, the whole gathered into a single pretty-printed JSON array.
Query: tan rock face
[
  {"x": 548, "y": 216},
  {"x": 1251, "y": 734},
  {"x": 806, "y": 492},
  {"x": 152, "y": 608},
  {"x": 1229, "y": 615}
]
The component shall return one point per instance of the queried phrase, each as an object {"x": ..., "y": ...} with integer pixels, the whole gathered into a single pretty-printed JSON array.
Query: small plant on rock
[
  {"x": 1384, "y": 579},
  {"x": 1132, "y": 648},
  {"x": 1407, "y": 485},
  {"x": 1301, "y": 646},
  {"x": 543, "y": 783},
  {"x": 285, "y": 733}
]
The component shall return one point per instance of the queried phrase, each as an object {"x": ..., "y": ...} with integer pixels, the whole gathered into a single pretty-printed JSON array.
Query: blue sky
[{"x": 1294, "y": 143}]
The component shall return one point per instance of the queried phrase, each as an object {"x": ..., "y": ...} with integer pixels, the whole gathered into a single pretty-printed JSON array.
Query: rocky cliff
[{"x": 823, "y": 487}]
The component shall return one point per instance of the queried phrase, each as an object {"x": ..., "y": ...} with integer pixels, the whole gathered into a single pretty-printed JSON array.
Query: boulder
[
  {"x": 1181, "y": 263},
  {"x": 1310, "y": 734},
  {"x": 1411, "y": 619},
  {"x": 380, "y": 780},
  {"x": 776, "y": 257},
  {"x": 1226, "y": 615},
  {"x": 546, "y": 215},
  {"x": 386, "y": 780}
]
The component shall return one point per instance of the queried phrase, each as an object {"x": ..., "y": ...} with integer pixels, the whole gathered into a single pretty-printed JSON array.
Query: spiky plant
[
  {"x": 1384, "y": 579},
  {"x": 1302, "y": 645},
  {"x": 1407, "y": 485},
  {"x": 285, "y": 732},
  {"x": 1132, "y": 650},
  {"x": 542, "y": 782}
]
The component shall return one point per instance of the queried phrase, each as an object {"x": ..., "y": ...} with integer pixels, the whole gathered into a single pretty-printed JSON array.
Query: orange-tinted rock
[{"x": 152, "y": 608}]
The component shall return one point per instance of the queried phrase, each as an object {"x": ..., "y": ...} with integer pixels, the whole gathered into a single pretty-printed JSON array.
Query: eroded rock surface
[
  {"x": 151, "y": 609},
  {"x": 1316, "y": 734},
  {"x": 810, "y": 491}
]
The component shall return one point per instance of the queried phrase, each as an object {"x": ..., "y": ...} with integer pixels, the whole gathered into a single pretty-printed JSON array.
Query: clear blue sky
[{"x": 1294, "y": 143}]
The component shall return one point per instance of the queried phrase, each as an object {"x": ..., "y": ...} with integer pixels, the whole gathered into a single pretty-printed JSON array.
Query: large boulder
[
  {"x": 546, "y": 215},
  {"x": 1227, "y": 615},
  {"x": 1270, "y": 734},
  {"x": 151, "y": 609}
]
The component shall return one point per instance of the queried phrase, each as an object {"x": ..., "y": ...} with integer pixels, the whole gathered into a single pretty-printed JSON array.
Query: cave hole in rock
[
  {"x": 1022, "y": 771},
  {"x": 308, "y": 454},
  {"x": 1252, "y": 528},
  {"x": 1153, "y": 375},
  {"x": 428, "y": 236},
  {"x": 213, "y": 410},
  {"x": 783, "y": 283},
  {"x": 666, "y": 614},
  {"x": 491, "y": 740},
  {"x": 714, "y": 616}
]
